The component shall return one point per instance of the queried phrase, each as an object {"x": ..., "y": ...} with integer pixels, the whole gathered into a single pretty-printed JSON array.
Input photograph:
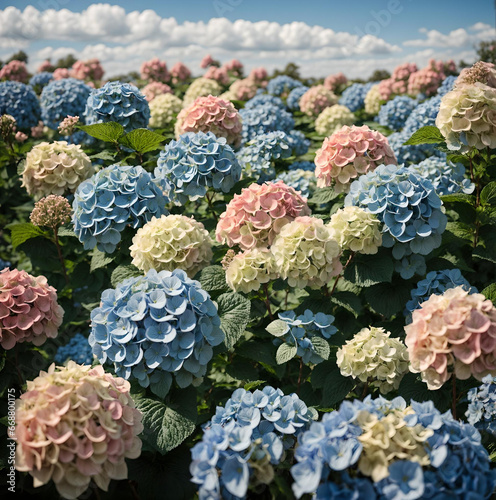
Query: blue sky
[{"x": 393, "y": 24}]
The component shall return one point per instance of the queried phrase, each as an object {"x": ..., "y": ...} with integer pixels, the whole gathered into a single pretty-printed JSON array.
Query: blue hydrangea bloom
[
  {"x": 113, "y": 198},
  {"x": 245, "y": 438},
  {"x": 406, "y": 204},
  {"x": 424, "y": 114},
  {"x": 263, "y": 119},
  {"x": 436, "y": 283},
  {"x": 262, "y": 99},
  {"x": 19, "y": 101},
  {"x": 196, "y": 161},
  {"x": 302, "y": 329},
  {"x": 61, "y": 98},
  {"x": 394, "y": 113},
  {"x": 447, "y": 85},
  {"x": 302, "y": 165},
  {"x": 481, "y": 411},
  {"x": 281, "y": 84},
  {"x": 4, "y": 264},
  {"x": 154, "y": 326},
  {"x": 447, "y": 178},
  {"x": 410, "y": 154},
  {"x": 299, "y": 143},
  {"x": 303, "y": 181},
  {"x": 353, "y": 97},
  {"x": 40, "y": 80},
  {"x": 293, "y": 100},
  {"x": 77, "y": 349},
  {"x": 118, "y": 102}
]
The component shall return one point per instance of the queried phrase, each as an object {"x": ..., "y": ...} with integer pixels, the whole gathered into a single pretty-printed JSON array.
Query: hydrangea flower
[
  {"x": 211, "y": 114},
  {"x": 29, "y": 311},
  {"x": 353, "y": 97},
  {"x": 293, "y": 99},
  {"x": 426, "y": 81},
  {"x": 67, "y": 125},
  {"x": 180, "y": 72},
  {"x": 118, "y": 102},
  {"x": 155, "y": 326},
  {"x": 154, "y": 89},
  {"x": 305, "y": 332},
  {"x": 219, "y": 75},
  {"x": 299, "y": 143},
  {"x": 172, "y": 242},
  {"x": 189, "y": 166},
  {"x": 373, "y": 101},
  {"x": 87, "y": 70},
  {"x": 113, "y": 198},
  {"x": 447, "y": 85},
  {"x": 374, "y": 357},
  {"x": 254, "y": 217},
  {"x": 316, "y": 99},
  {"x": 20, "y": 102},
  {"x": 394, "y": 113},
  {"x": 356, "y": 229},
  {"x": 263, "y": 119},
  {"x": 201, "y": 87},
  {"x": 302, "y": 165},
  {"x": 53, "y": 211},
  {"x": 262, "y": 99},
  {"x": 259, "y": 75},
  {"x": 8, "y": 128},
  {"x": 76, "y": 424},
  {"x": 422, "y": 115},
  {"x": 305, "y": 253},
  {"x": 154, "y": 70},
  {"x": 62, "y": 98},
  {"x": 481, "y": 410},
  {"x": 301, "y": 180},
  {"x": 14, "y": 71},
  {"x": 333, "y": 82},
  {"x": 408, "y": 207},
  {"x": 332, "y": 119},
  {"x": 410, "y": 154},
  {"x": 452, "y": 333},
  {"x": 481, "y": 72},
  {"x": 398, "y": 82},
  {"x": 243, "y": 89},
  {"x": 61, "y": 73},
  {"x": 77, "y": 350},
  {"x": 281, "y": 85},
  {"x": 245, "y": 439},
  {"x": 40, "y": 80}
]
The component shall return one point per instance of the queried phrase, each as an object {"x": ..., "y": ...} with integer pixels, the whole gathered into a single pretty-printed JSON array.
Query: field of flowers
[{"x": 232, "y": 286}]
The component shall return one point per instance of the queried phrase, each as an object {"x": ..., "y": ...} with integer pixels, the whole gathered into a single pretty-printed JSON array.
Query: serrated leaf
[
  {"x": 120, "y": 273},
  {"x": 459, "y": 231},
  {"x": 321, "y": 347},
  {"x": 285, "y": 353},
  {"x": 388, "y": 298},
  {"x": 262, "y": 352},
  {"x": 99, "y": 260},
  {"x": 213, "y": 279},
  {"x": 457, "y": 198},
  {"x": 488, "y": 194},
  {"x": 161, "y": 383},
  {"x": 490, "y": 292},
  {"x": 142, "y": 140},
  {"x": 103, "y": 155},
  {"x": 278, "y": 328},
  {"x": 347, "y": 300},
  {"x": 65, "y": 231},
  {"x": 107, "y": 132},
  {"x": 425, "y": 135},
  {"x": 369, "y": 270},
  {"x": 24, "y": 231},
  {"x": 234, "y": 313},
  {"x": 253, "y": 385},
  {"x": 323, "y": 195}
]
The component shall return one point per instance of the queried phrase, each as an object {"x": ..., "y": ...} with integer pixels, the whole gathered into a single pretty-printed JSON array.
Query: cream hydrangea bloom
[
  {"x": 356, "y": 229},
  {"x": 172, "y": 242},
  {"x": 373, "y": 101},
  {"x": 199, "y": 88},
  {"x": 333, "y": 118},
  {"x": 372, "y": 355},
  {"x": 55, "y": 168},
  {"x": 163, "y": 110},
  {"x": 306, "y": 254}
]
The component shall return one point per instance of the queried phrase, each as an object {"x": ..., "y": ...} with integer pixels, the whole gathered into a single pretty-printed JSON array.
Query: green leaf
[
  {"x": 457, "y": 198},
  {"x": 24, "y": 231},
  {"x": 99, "y": 260},
  {"x": 160, "y": 383},
  {"x": 369, "y": 270},
  {"x": 388, "y": 298},
  {"x": 488, "y": 194},
  {"x": 253, "y": 385},
  {"x": 459, "y": 231},
  {"x": 234, "y": 313},
  {"x": 257, "y": 350},
  {"x": 66, "y": 231},
  {"x": 278, "y": 328},
  {"x": 108, "y": 132},
  {"x": 335, "y": 387},
  {"x": 120, "y": 273},
  {"x": 323, "y": 195},
  {"x": 213, "y": 279},
  {"x": 425, "y": 135},
  {"x": 285, "y": 352},
  {"x": 168, "y": 425},
  {"x": 488, "y": 254},
  {"x": 142, "y": 140},
  {"x": 490, "y": 292},
  {"x": 104, "y": 155},
  {"x": 321, "y": 347},
  {"x": 347, "y": 300},
  {"x": 412, "y": 388}
]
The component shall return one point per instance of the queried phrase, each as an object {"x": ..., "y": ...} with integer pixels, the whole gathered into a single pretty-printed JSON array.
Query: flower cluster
[
  {"x": 113, "y": 198},
  {"x": 118, "y": 102},
  {"x": 385, "y": 449},
  {"x": 220, "y": 75},
  {"x": 398, "y": 82},
  {"x": 29, "y": 311},
  {"x": 410, "y": 154},
  {"x": 356, "y": 229},
  {"x": 301, "y": 180},
  {"x": 153, "y": 326},
  {"x": 62, "y": 98},
  {"x": 207, "y": 61},
  {"x": 374, "y": 357},
  {"x": 67, "y": 125},
  {"x": 348, "y": 153},
  {"x": 46, "y": 65},
  {"x": 262, "y": 99},
  {"x": 234, "y": 66},
  {"x": 264, "y": 118},
  {"x": 316, "y": 99},
  {"x": 19, "y": 101},
  {"x": 8, "y": 128},
  {"x": 481, "y": 410},
  {"x": 248, "y": 270},
  {"x": 407, "y": 205},
  {"x": 259, "y": 75},
  {"x": 201, "y": 87},
  {"x": 282, "y": 85},
  {"x": 305, "y": 332},
  {"x": 77, "y": 350},
  {"x": 87, "y": 70},
  {"x": 244, "y": 439},
  {"x": 394, "y": 113},
  {"x": 298, "y": 142},
  {"x": 447, "y": 86},
  {"x": 334, "y": 82},
  {"x": 15, "y": 71},
  {"x": 52, "y": 211},
  {"x": 422, "y": 115},
  {"x": 154, "y": 89},
  {"x": 61, "y": 73},
  {"x": 254, "y": 217},
  {"x": 243, "y": 89},
  {"x": 40, "y": 80},
  {"x": 164, "y": 109},
  {"x": 305, "y": 253},
  {"x": 293, "y": 99},
  {"x": 180, "y": 72},
  {"x": 425, "y": 81},
  {"x": 373, "y": 101},
  {"x": 172, "y": 242},
  {"x": 76, "y": 424},
  {"x": 211, "y": 114},
  {"x": 55, "y": 168},
  {"x": 187, "y": 167},
  {"x": 481, "y": 71},
  {"x": 354, "y": 96},
  {"x": 332, "y": 119},
  {"x": 154, "y": 70},
  {"x": 452, "y": 331}
]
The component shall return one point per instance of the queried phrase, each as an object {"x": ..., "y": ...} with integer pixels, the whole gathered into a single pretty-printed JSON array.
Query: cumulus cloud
[{"x": 456, "y": 38}]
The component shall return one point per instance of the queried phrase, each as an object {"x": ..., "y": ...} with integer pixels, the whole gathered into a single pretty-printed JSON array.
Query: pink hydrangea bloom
[
  {"x": 76, "y": 424},
  {"x": 254, "y": 217},
  {"x": 52, "y": 211},
  {"x": 332, "y": 82},
  {"x": 154, "y": 70},
  {"x": 397, "y": 84},
  {"x": 452, "y": 332},
  {"x": 37, "y": 131},
  {"x": 258, "y": 74},
  {"x": 211, "y": 114},
  {"x": 87, "y": 70},
  {"x": 15, "y": 71},
  {"x": 482, "y": 72},
  {"x": 20, "y": 136},
  {"x": 218, "y": 74},
  {"x": 244, "y": 89},
  {"x": 154, "y": 89},
  {"x": 29, "y": 311},
  {"x": 348, "y": 153},
  {"x": 45, "y": 66},
  {"x": 316, "y": 99},
  {"x": 66, "y": 126},
  {"x": 61, "y": 73},
  {"x": 180, "y": 72},
  {"x": 428, "y": 80},
  {"x": 234, "y": 66},
  {"x": 206, "y": 61}
]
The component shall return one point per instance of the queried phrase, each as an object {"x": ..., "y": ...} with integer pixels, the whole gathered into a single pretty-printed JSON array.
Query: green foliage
[
  {"x": 425, "y": 135},
  {"x": 108, "y": 131},
  {"x": 368, "y": 270},
  {"x": 285, "y": 353},
  {"x": 234, "y": 313},
  {"x": 23, "y": 232},
  {"x": 142, "y": 140}
]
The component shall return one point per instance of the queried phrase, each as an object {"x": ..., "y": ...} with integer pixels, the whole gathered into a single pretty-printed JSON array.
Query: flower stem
[
  {"x": 365, "y": 389},
  {"x": 300, "y": 375},
  {"x": 453, "y": 395},
  {"x": 59, "y": 252},
  {"x": 211, "y": 206},
  {"x": 267, "y": 301},
  {"x": 352, "y": 254}
]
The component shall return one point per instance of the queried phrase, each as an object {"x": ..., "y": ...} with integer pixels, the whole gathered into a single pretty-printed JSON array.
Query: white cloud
[{"x": 456, "y": 38}]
